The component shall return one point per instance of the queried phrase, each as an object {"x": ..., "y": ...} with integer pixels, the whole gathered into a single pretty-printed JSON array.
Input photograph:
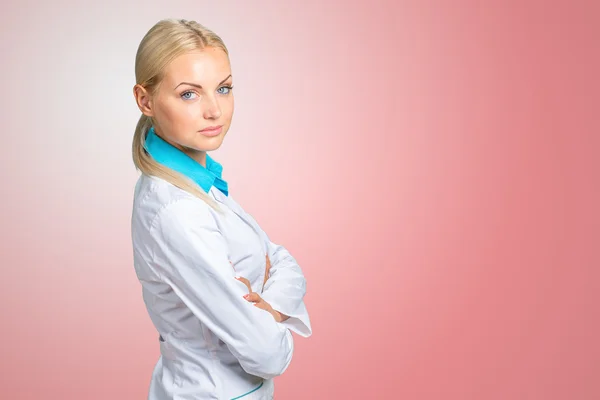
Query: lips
[{"x": 212, "y": 131}]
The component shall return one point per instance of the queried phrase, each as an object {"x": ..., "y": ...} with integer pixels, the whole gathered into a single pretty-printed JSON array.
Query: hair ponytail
[
  {"x": 166, "y": 40},
  {"x": 148, "y": 166}
]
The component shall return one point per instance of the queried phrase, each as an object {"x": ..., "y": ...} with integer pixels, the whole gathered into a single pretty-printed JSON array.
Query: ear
[{"x": 143, "y": 100}]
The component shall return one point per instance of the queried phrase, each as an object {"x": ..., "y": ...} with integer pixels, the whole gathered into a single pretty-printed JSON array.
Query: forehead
[{"x": 204, "y": 67}]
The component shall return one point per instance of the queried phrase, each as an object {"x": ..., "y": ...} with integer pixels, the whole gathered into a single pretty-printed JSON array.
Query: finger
[
  {"x": 262, "y": 305},
  {"x": 242, "y": 279},
  {"x": 253, "y": 297},
  {"x": 267, "y": 270},
  {"x": 245, "y": 282}
]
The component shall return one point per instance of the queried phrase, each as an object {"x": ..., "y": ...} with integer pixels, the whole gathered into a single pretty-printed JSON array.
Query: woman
[{"x": 223, "y": 297}]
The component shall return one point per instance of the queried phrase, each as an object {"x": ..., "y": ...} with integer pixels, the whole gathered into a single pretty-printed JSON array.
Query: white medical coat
[{"x": 214, "y": 344}]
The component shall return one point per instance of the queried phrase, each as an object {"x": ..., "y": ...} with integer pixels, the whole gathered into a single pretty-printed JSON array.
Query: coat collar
[{"x": 171, "y": 157}]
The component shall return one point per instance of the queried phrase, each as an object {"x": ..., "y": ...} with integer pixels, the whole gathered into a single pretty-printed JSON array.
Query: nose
[{"x": 212, "y": 109}]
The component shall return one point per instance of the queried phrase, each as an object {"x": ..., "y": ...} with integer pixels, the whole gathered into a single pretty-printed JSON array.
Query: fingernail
[
  {"x": 246, "y": 296},
  {"x": 237, "y": 277}
]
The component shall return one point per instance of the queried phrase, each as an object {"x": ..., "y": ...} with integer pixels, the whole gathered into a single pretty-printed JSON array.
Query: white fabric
[{"x": 214, "y": 343}]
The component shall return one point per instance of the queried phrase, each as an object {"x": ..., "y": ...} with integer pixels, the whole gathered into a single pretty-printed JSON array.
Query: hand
[
  {"x": 267, "y": 270},
  {"x": 259, "y": 302}
]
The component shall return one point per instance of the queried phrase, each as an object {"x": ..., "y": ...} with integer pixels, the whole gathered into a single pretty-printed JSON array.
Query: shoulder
[
  {"x": 157, "y": 190},
  {"x": 164, "y": 205}
]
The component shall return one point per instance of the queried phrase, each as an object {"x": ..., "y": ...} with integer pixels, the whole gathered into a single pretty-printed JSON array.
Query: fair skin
[
  {"x": 255, "y": 298},
  {"x": 194, "y": 94}
]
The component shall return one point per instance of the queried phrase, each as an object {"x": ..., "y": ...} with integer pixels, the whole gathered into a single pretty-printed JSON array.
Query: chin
[{"x": 209, "y": 144}]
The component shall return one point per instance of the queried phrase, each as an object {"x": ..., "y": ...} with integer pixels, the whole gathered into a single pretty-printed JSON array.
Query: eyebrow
[{"x": 198, "y": 86}]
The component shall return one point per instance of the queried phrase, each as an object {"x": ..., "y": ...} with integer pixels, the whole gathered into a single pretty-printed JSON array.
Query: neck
[{"x": 197, "y": 155}]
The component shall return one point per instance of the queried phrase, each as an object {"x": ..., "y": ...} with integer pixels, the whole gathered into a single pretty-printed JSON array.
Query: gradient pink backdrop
[{"x": 433, "y": 166}]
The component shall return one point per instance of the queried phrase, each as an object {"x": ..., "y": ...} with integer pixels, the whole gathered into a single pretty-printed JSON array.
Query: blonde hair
[{"x": 166, "y": 40}]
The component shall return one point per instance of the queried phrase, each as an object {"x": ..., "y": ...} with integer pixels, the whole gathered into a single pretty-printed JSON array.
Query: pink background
[{"x": 433, "y": 166}]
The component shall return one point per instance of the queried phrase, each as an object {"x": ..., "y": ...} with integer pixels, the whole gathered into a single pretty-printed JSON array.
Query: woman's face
[{"x": 194, "y": 103}]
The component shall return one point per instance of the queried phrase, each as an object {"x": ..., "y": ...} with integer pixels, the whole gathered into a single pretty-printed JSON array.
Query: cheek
[
  {"x": 227, "y": 108},
  {"x": 164, "y": 113},
  {"x": 178, "y": 115}
]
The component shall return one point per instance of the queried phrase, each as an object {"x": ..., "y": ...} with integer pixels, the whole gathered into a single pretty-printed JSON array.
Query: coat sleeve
[
  {"x": 285, "y": 289},
  {"x": 191, "y": 255}
]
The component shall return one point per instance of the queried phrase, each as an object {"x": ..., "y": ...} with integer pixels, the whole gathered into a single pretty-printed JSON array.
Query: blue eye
[
  {"x": 226, "y": 87},
  {"x": 183, "y": 95}
]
